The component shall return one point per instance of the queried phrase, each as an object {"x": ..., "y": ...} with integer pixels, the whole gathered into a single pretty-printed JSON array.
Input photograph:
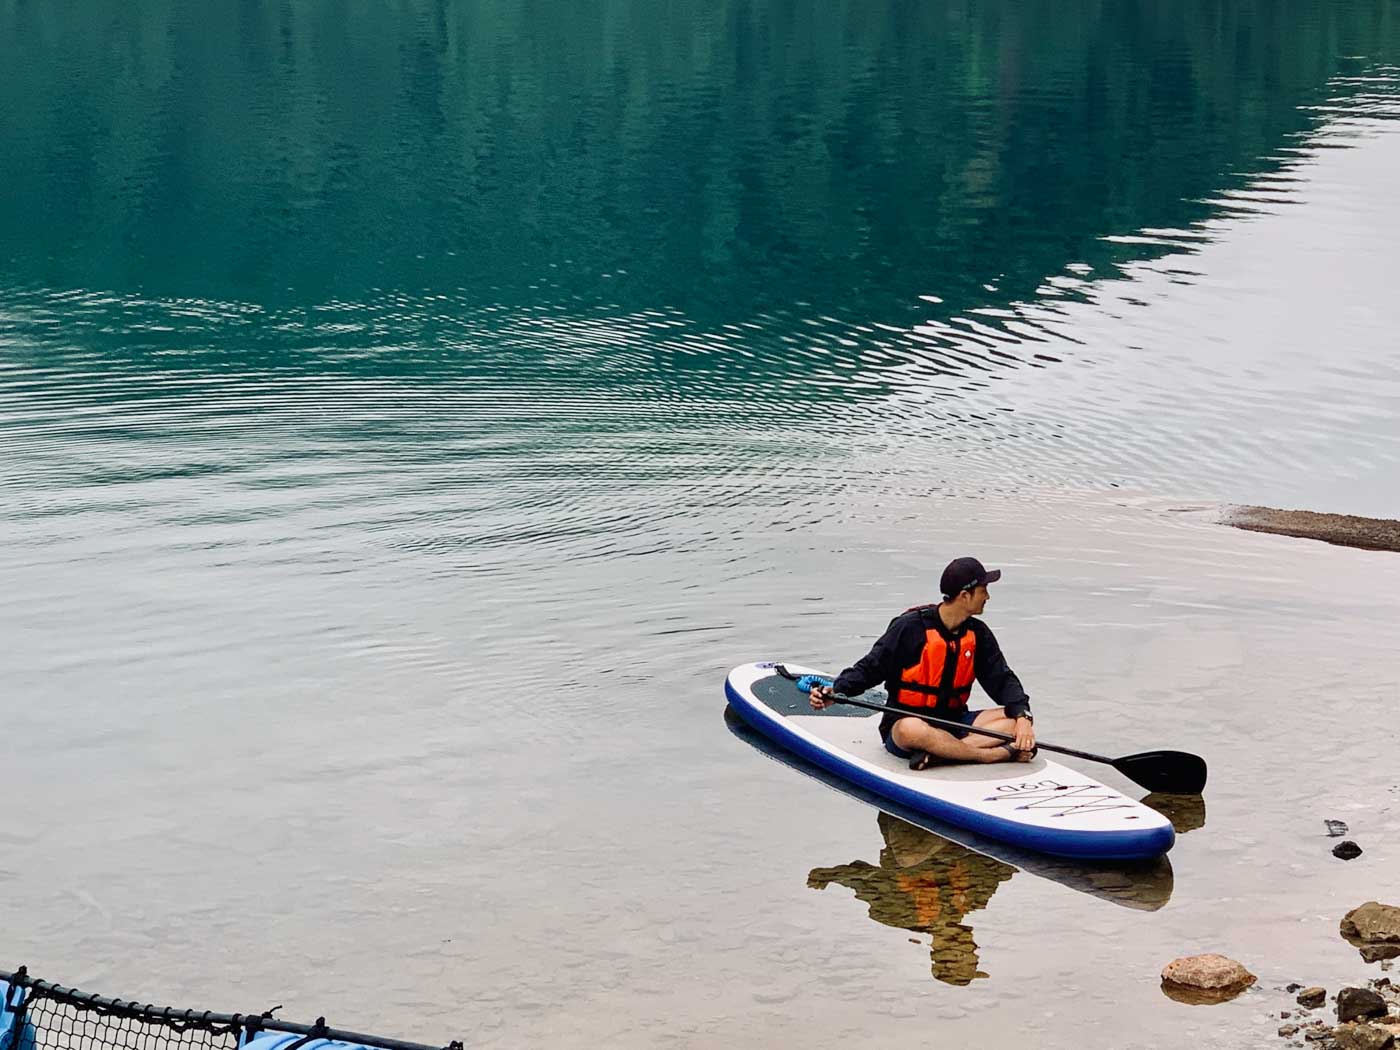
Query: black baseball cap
[{"x": 964, "y": 573}]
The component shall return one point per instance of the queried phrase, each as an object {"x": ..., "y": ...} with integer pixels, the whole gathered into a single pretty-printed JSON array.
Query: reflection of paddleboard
[
  {"x": 1039, "y": 805},
  {"x": 1144, "y": 885}
]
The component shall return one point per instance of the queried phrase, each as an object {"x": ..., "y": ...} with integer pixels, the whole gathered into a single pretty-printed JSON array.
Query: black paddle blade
[{"x": 1175, "y": 772}]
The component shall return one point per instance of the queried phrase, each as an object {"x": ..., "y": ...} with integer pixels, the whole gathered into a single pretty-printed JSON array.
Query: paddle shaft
[
  {"x": 943, "y": 723},
  {"x": 1176, "y": 772}
]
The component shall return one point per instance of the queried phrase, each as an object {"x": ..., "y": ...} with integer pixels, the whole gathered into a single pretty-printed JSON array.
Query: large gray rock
[
  {"x": 1210, "y": 972},
  {"x": 1355, "y": 1004},
  {"x": 1372, "y": 923}
]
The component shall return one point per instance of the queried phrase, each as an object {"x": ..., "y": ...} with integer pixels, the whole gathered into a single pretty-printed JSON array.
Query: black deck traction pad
[{"x": 781, "y": 695}]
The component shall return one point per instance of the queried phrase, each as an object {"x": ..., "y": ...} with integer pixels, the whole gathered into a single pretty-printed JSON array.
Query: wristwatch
[{"x": 1028, "y": 717}]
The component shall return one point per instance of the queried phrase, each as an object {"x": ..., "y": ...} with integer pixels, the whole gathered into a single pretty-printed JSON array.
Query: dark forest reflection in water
[
  {"x": 425, "y": 186},
  {"x": 500, "y": 256},
  {"x": 929, "y": 884}
]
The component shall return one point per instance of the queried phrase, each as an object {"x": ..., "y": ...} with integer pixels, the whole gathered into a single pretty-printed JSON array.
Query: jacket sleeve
[
  {"x": 875, "y": 666},
  {"x": 994, "y": 676}
]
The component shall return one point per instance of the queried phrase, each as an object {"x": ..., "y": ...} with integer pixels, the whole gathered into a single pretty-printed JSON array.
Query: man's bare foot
[{"x": 1004, "y": 753}]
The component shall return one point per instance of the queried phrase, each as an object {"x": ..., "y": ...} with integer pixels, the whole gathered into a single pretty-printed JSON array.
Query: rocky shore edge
[
  {"x": 1344, "y": 530},
  {"x": 1368, "y": 1016}
]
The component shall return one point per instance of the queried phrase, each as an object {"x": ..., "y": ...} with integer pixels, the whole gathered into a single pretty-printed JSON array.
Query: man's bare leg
[
  {"x": 973, "y": 748},
  {"x": 914, "y": 734},
  {"x": 993, "y": 718}
]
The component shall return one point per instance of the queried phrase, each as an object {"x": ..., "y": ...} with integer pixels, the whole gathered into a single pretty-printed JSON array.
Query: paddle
[{"x": 1173, "y": 772}]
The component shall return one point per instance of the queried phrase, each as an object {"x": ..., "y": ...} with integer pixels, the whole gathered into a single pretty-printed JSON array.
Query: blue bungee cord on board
[{"x": 807, "y": 681}]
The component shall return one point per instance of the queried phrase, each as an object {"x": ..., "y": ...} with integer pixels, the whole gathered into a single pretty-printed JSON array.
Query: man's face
[{"x": 979, "y": 598}]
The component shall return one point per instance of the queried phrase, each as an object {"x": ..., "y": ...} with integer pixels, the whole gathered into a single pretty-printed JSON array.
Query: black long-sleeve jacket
[{"x": 901, "y": 647}]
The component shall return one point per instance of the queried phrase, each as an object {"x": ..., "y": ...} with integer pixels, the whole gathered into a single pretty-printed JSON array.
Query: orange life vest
[{"x": 944, "y": 675}]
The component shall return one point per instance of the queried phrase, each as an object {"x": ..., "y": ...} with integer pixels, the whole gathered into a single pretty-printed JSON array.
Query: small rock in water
[
  {"x": 1221, "y": 978},
  {"x": 1372, "y": 923},
  {"x": 1206, "y": 971},
  {"x": 1346, "y": 850},
  {"x": 1312, "y": 997},
  {"x": 1286, "y": 1030},
  {"x": 1353, "y": 1004},
  {"x": 1336, "y": 828}
]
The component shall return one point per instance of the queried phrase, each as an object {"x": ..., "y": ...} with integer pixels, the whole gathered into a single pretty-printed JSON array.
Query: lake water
[{"x": 409, "y": 412}]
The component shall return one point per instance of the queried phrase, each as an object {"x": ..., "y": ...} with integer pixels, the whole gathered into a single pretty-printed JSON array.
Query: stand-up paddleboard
[{"x": 1039, "y": 805}]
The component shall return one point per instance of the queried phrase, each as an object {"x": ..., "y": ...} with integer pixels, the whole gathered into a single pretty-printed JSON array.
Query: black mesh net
[
  {"x": 55, "y": 1024},
  {"x": 37, "y": 1015},
  {"x": 46, "y": 1020}
]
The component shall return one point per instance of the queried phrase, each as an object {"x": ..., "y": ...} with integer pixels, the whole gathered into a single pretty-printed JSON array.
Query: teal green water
[
  {"x": 408, "y": 412},
  {"x": 722, "y": 160}
]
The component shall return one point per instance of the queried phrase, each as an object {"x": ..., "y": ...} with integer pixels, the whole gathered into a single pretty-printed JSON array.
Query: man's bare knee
[
  {"x": 911, "y": 733},
  {"x": 905, "y": 733}
]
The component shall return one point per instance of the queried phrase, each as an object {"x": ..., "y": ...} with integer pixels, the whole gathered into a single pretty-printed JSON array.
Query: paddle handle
[{"x": 944, "y": 723}]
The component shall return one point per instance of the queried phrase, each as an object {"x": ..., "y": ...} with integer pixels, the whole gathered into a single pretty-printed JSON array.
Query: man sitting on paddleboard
[{"x": 928, "y": 658}]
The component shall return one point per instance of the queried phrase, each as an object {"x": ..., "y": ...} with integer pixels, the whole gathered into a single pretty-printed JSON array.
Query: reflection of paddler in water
[{"x": 927, "y": 884}]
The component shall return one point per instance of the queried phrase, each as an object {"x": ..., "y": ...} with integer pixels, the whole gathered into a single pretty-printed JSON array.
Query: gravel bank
[{"x": 1346, "y": 530}]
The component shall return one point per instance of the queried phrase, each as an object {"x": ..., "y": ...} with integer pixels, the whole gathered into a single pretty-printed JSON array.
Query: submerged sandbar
[{"x": 1346, "y": 530}]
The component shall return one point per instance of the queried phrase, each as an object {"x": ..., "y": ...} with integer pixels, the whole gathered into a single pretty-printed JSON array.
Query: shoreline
[{"x": 1343, "y": 530}]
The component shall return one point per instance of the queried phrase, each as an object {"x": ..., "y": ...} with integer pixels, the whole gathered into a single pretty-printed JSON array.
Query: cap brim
[{"x": 992, "y": 576}]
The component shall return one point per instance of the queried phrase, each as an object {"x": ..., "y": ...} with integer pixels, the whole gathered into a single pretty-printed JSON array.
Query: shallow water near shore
[{"x": 406, "y": 422}]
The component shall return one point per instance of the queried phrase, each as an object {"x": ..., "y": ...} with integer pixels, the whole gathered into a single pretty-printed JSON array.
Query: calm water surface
[{"x": 408, "y": 414}]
